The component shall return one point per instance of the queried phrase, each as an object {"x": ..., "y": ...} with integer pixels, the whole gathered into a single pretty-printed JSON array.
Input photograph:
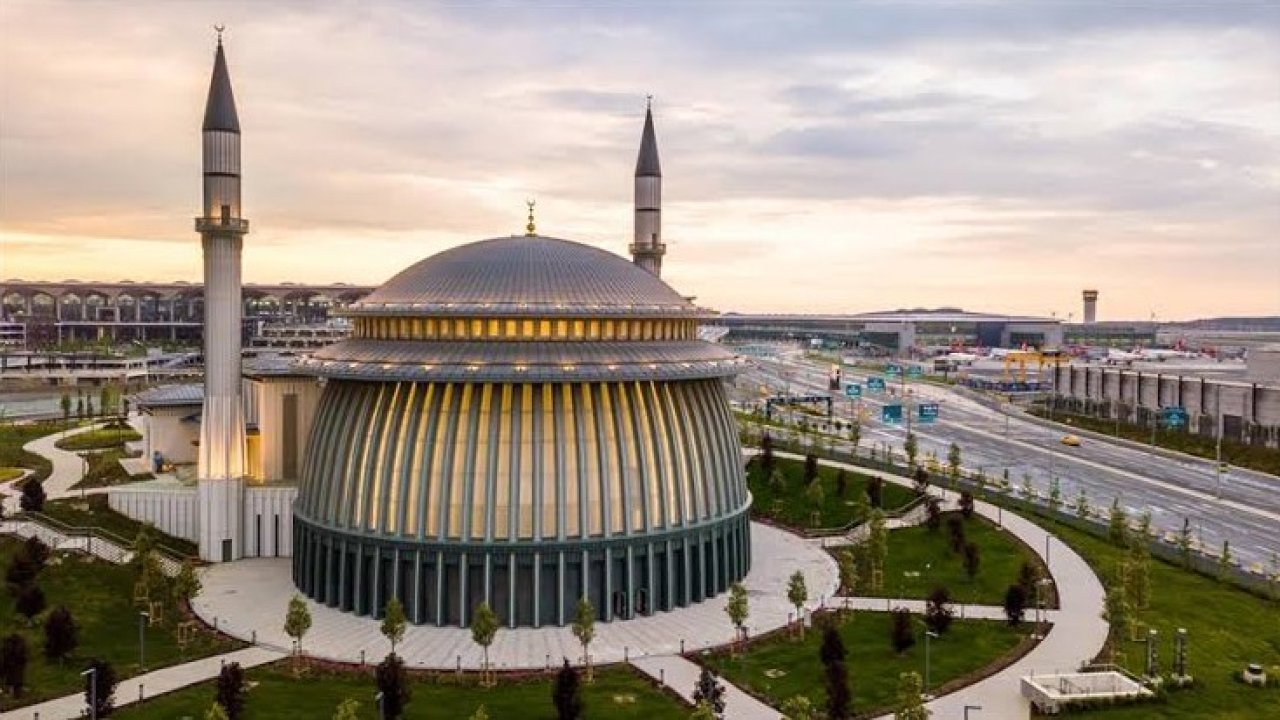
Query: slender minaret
[
  {"x": 222, "y": 230},
  {"x": 647, "y": 249}
]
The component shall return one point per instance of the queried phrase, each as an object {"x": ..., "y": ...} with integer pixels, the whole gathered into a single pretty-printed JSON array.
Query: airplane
[
  {"x": 1161, "y": 355},
  {"x": 1120, "y": 357},
  {"x": 961, "y": 358}
]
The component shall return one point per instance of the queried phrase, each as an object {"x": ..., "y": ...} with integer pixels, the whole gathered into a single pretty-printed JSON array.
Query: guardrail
[{"x": 97, "y": 541}]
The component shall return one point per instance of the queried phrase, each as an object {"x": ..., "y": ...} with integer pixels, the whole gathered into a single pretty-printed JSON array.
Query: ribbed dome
[{"x": 526, "y": 275}]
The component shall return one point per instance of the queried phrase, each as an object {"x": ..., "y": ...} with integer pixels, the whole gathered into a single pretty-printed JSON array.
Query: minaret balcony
[
  {"x": 219, "y": 224},
  {"x": 647, "y": 248}
]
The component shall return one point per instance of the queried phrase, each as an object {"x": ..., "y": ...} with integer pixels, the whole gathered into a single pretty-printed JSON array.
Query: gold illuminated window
[
  {"x": 493, "y": 328},
  {"x": 593, "y": 329},
  {"x": 579, "y": 329},
  {"x": 460, "y": 329},
  {"x": 544, "y": 328},
  {"x": 562, "y": 329},
  {"x": 511, "y": 328}
]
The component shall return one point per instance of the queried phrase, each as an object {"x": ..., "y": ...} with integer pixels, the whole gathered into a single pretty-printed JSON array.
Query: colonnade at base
[{"x": 526, "y": 584}]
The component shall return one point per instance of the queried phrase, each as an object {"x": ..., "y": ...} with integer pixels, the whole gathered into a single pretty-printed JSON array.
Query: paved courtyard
[{"x": 247, "y": 600}]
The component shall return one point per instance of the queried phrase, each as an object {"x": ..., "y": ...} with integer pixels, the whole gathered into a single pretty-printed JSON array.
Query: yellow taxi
[{"x": 1071, "y": 440}]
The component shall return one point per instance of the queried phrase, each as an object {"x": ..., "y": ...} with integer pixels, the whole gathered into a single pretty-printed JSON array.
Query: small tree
[
  {"x": 938, "y": 612},
  {"x": 955, "y": 533},
  {"x": 878, "y": 544},
  {"x": 1118, "y": 524},
  {"x": 953, "y": 464},
  {"x": 393, "y": 683},
  {"x": 1027, "y": 491},
  {"x": 65, "y": 404},
  {"x": 842, "y": 483},
  {"x": 966, "y": 504},
  {"x": 566, "y": 694},
  {"x": 1118, "y": 611},
  {"x": 767, "y": 461},
  {"x": 61, "y": 636},
  {"x": 911, "y": 447},
  {"x": 1082, "y": 504},
  {"x": 13, "y": 663},
  {"x": 297, "y": 621},
  {"x": 910, "y": 698},
  {"x": 393, "y": 623},
  {"x": 703, "y": 711},
  {"x": 737, "y": 608},
  {"x": 799, "y": 707},
  {"x": 1184, "y": 542},
  {"x": 835, "y": 674},
  {"x": 972, "y": 560},
  {"x": 30, "y": 602},
  {"x": 815, "y": 494},
  {"x": 1028, "y": 574},
  {"x": 920, "y": 481},
  {"x": 855, "y": 434},
  {"x": 1055, "y": 495},
  {"x": 848, "y": 567},
  {"x": 186, "y": 584},
  {"x": 100, "y": 688},
  {"x": 875, "y": 492},
  {"x": 810, "y": 468},
  {"x": 348, "y": 709},
  {"x": 33, "y": 496},
  {"x": 484, "y": 626},
  {"x": 80, "y": 407},
  {"x": 215, "y": 712},
  {"x": 584, "y": 628},
  {"x": 710, "y": 691},
  {"x": 1139, "y": 566},
  {"x": 1145, "y": 531},
  {"x": 230, "y": 690},
  {"x": 901, "y": 635},
  {"x": 1015, "y": 604},
  {"x": 933, "y": 514},
  {"x": 1225, "y": 559},
  {"x": 798, "y": 595}
]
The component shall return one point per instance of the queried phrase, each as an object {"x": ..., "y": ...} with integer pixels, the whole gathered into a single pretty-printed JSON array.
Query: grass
[
  {"x": 105, "y": 469},
  {"x": 93, "y": 512},
  {"x": 1226, "y": 629},
  {"x": 100, "y": 598},
  {"x": 792, "y": 507},
  {"x": 911, "y": 549},
  {"x": 13, "y": 437},
  {"x": 103, "y": 438},
  {"x": 617, "y": 693},
  {"x": 968, "y": 646},
  {"x": 10, "y": 473}
]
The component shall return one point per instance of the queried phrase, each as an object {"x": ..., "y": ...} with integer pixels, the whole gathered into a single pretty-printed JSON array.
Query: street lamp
[
  {"x": 143, "y": 617},
  {"x": 927, "y": 634},
  {"x": 92, "y": 673},
  {"x": 382, "y": 706},
  {"x": 967, "y": 708}
]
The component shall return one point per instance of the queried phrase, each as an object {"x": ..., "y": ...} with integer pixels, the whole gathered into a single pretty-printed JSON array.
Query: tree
[
  {"x": 33, "y": 496},
  {"x": 766, "y": 455},
  {"x": 35, "y": 552},
  {"x": 797, "y": 595},
  {"x": 1015, "y": 604},
  {"x": 835, "y": 674},
  {"x": 484, "y": 626},
  {"x": 1082, "y": 504},
  {"x": 938, "y": 612},
  {"x": 1055, "y": 495},
  {"x": 1184, "y": 542},
  {"x": 799, "y": 707},
  {"x": 61, "y": 636},
  {"x": 815, "y": 494},
  {"x": 703, "y": 711},
  {"x": 144, "y": 543},
  {"x": 88, "y": 407},
  {"x": 933, "y": 514},
  {"x": 100, "y": 688},
  {"x": 30, "y": 602},
  {"x": 875, "y": 492},
  {"x": 778, "y": 481},
  {"x": 215, "y": 712},
  {"x": 297, "y": 621},
  {"x": 848, "y": 567},
  {"x": 901, "y": 636},
  {"x": 65, "y": 403},
  {"x": 911, "y": 447},
  {"x": 1145, "y": 531},
  {"x": 1028, "y": 492},
  {"x": 920, "y": 480},
  {"x": 393, "y": 623},
  {"x": 910, "y": 698},
  {"x": 566, "y": 694},
  {"x": 953, "y": 464},
  {"x": 855, "y": 433},
  {"x": 1028, "y": 574},
  {"x": 1139, "y": 565},
  {"x": 393, "y": 683},
  {"x": 878, "y": 545},
  {"x": 1118, "y": 524},
  {"x": 230, "y": 690},
  {"x": 80, "y": 407},
  {"x": 972, "y": 559},
  {"x": 105, "y": 400},
  {"x": 966, "y": 504},
  {"x": 710, "y": 691},
  {"x": 584, "y": 628},
  {"x": 1225, "y": 560},
  {"x": 810, "y": 468},
  {"x": 842, "y": 483},
  {"x": 13, "y": 663},
  {"x": 737, "y": 608},
  {"x": 1118, "y": 611},
  {"x": 186, "y": 584},
  {"x": 348, "y": 709},
  {"x": 955, "y": 533}
]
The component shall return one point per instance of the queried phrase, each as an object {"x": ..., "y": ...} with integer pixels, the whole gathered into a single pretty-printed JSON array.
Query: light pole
[
  {"x": 967, "y": 708},
  {"x": 143, "y": 617},
  {"x": 382, "y": 706},
  {"x": 927, "y": 635},
  {"x": 92, "y": 674}
]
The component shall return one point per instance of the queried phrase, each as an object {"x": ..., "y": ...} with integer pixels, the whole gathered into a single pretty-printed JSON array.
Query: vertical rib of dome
[{"x": 220, "y": 108}]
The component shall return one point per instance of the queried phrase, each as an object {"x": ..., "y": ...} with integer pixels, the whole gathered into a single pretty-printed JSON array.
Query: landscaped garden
[
  {"x": 817, "y": 497},
  {"x": 93, "y": 511},
  {"x": 112, "y": 435},
  {"x": 13, "y": 437},
  {"x": 276, "y": 694},
  {"x": 100, "y": 598}
]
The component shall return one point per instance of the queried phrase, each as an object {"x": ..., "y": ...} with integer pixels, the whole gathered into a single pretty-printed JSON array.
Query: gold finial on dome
[{"x": 530, "y": 229}]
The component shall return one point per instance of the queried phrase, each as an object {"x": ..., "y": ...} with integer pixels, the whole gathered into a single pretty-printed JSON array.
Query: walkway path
[
  {"x": 147, "y": 686},
  {"x": 681, "y": 675},
  {"x": 68, "y": 469}
]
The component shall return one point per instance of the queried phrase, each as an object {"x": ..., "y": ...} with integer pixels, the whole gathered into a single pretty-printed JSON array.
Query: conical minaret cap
[
  {"x": 647, "y": 162},
  {"x": 220, "y": 109}
]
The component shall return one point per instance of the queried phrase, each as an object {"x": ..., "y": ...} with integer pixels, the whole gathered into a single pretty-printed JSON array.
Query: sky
[{"x": 821, "y": 157}]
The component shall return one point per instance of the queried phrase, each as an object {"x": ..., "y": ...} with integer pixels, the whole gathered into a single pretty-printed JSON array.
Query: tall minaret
[
  {"x": 222, "y": 230},
  {"x": 647, "y": 249}
]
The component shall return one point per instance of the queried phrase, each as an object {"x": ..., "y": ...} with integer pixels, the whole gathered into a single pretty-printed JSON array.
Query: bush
[
  {"x": 1015, "y": 604},
  {"x": 13, "y": 663},
  {"x": 100, "y": 688},
  {"x": 566, "y": 693},
  {"x": 933, "y": 518},
  {"x": 30, "y": 602},
  {"x": 33, "y": 496},
  {"x": 937, "y": 610},
  {"x": 61, "y": 636},
  {"x": 901, "y": 636},
  {"x": 393, "y": 683},
  {"x": 955, "y": 533},
  {"x": 230, "y": 690},
  {"x": 966, "y": 504}
]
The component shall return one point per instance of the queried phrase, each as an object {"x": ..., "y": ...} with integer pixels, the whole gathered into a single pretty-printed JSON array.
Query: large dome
[{"x": 526, "y": 275}]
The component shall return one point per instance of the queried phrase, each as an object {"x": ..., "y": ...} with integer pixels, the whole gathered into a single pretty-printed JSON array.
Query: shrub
[
  {"x": 230, "y": 690},
  {"x": 566, "y": 693},
  {"x": 901, "y": 635},
  {"x": 937, "y": 610},
  {"x": 393, "y": 683}
]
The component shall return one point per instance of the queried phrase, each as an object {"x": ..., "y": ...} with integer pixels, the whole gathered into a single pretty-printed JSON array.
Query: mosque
[{"x": 522, "y": 421}]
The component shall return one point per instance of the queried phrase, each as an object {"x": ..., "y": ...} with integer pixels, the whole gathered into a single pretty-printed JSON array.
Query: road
[{"x": 1247, "y": 514}]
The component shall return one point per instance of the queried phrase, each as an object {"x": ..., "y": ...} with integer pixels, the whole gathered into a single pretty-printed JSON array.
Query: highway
[{"x": 1247, "y": 515}]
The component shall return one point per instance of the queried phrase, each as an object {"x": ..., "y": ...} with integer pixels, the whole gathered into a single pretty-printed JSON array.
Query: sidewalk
[
  {"x": 681, "y": 675},
  {"x": 149, "y": 685}
]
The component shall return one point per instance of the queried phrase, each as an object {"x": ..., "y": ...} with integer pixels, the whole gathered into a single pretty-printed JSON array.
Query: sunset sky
[{"x": 817, "y": 157}]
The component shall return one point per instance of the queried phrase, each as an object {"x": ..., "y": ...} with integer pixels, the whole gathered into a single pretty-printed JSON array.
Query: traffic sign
[
  {"x": 914, "y": 371},
  {"x": 928, "y": 412},
  {"x": 892, "y": 370},
  {"x": 891, "y": 414},
  {"x": 853, "y": 390},
  {"x": 1174, "y": 416},
  {"x": 875, "y": 384}
]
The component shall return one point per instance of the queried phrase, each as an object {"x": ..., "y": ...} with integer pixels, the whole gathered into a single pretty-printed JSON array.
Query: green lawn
[
  {"x": 10, "y": 473},
  {"x": 13, "y": 437},
  {"x": 99, "y": 439},
  {"x": 100, "y": 598},
  {"x": 920, "y": 559},
  {"x": 792, "y": 506},
  {"x": 1226, "y": 628},
  {"x": 93, "y": 512},
  {"x": 873, "y": 666},
  {"x": 617, "y": 693}
]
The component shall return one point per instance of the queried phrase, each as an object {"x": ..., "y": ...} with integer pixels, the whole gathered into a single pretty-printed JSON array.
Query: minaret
[
  {"x": 647, "y": 249},
  {"x": 222, "y": 229}
]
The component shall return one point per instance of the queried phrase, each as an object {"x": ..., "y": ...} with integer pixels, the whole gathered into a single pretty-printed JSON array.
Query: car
[{"x": 1071, "y": 440}]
